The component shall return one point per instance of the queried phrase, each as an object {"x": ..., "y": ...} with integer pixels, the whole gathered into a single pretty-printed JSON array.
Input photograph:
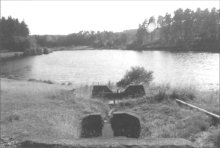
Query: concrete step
[{"x": 109, "y": 143}]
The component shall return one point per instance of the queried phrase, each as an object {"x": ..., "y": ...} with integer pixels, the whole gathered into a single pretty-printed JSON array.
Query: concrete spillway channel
[
  {"x": 118, "y": 130},
  {"x": 125, "y": 124},
  {"x": 91, "y": 126},
  {"x": 118, "y": 124},
  {"x": 109, "y": 143},
  {"x": 115, "y": 130}
]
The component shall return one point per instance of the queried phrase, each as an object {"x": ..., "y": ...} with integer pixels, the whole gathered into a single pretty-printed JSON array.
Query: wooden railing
[{"x": 200, "y": 109}]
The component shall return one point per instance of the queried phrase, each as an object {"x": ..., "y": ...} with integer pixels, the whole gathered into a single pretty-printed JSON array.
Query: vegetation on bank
[
  {"x": 53, "y": 111},
  {"x": 14, "y": 34},
  {"x": 186, "y": 30},
  {"x": 8, "y": 55},
  {"x": 136, "y": 75},
  {"x": 15, "y": 38},
  {"x": 163, "y": 117},
  {"x": 39, "y": 110},
  {"x": 105, "y": 39}
]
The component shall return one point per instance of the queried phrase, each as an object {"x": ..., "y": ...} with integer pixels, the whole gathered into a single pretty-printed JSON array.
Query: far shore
[
  {"x": 152, "y": 48},
  {"x": 7, "y": 55}
]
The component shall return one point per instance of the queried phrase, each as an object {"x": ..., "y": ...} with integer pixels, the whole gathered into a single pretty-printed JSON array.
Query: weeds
[
  {"x": 192, "y": 125},
  {"x": 43, "y": 81},
  {"x": 163, "y": 117},
  {"x": 160, "y": 96}
]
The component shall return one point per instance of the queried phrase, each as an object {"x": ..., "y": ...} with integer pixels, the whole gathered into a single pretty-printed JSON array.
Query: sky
[{"x": 65, "y": 17}]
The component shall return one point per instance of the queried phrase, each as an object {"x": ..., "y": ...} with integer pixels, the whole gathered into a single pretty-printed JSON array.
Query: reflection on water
[{"x": 93, "y": 66}]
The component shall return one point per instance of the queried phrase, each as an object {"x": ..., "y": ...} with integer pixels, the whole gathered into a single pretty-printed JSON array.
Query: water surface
[{"x": 100, "y": 66}]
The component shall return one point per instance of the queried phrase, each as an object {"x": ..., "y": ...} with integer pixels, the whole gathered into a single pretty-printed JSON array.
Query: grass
[
  {"x": 53, "y": 111},
  {"x": 208, "y": 100},
  {"x": 162, "y": 117},
  {"x": 30, "y": 109}
]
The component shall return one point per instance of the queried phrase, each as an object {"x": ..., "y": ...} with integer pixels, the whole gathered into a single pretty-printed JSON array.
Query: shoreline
[
  {"x": 167, "y": 49},
  {"x": 10, "y": 55},
  {"x": 4, "y": 56}
]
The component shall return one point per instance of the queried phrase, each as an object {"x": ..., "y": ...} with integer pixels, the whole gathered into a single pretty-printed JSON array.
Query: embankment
[
  {"x": 46, "y": 111},
  {"x": 51, "y": 113}
]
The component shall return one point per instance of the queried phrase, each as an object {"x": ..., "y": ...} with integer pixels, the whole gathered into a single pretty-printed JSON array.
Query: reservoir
[{"x": 200, "y": 70}]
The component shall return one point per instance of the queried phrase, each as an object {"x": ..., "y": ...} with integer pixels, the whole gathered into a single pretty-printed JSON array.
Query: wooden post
[{"x": 114, "y": 97}]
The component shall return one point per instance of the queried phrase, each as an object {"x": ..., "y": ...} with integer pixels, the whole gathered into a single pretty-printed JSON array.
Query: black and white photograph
[{"x": 109, "y": 74}]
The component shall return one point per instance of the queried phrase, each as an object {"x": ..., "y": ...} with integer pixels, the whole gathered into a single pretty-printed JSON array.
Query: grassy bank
[
  {"x": 72, "y": 48},
  {"x": 9, "y": 55},
  {"x": 162, "y": 117},
  {"x": 37, "y": 109}
]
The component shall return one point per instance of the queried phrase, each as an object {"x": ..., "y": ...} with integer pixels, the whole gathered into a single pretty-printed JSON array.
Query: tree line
[
  {"x": 15, "y": 37},
  {"x": 104, "y": 39},
  {"x": 186, "y": 29},
  {"x": 14, "y": 34}
]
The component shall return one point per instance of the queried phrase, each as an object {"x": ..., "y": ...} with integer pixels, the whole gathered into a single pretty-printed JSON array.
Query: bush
[
  {"x": 160, "y": 96},
  {"x": 183, "y": 94},
  {"x": 136, "y": 75},
  {"x": 46, "y": 50}
]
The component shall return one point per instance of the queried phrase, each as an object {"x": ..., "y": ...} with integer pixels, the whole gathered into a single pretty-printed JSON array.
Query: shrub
[
  {"x": 136, "y": 75},
  {"x": 46, "y": 50},
  {"x": 160, "y": 96},
  {"x": 183, "y": 94}
]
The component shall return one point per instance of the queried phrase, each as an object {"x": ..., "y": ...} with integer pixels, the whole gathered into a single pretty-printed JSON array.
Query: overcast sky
[{"x": 65, "y": 17}]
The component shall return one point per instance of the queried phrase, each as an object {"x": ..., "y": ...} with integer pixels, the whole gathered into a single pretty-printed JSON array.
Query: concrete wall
[
  {"x": 127, "y": 125},
  {"x": 108, "y": 143},
  {"x": 91, "y": 126}
]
